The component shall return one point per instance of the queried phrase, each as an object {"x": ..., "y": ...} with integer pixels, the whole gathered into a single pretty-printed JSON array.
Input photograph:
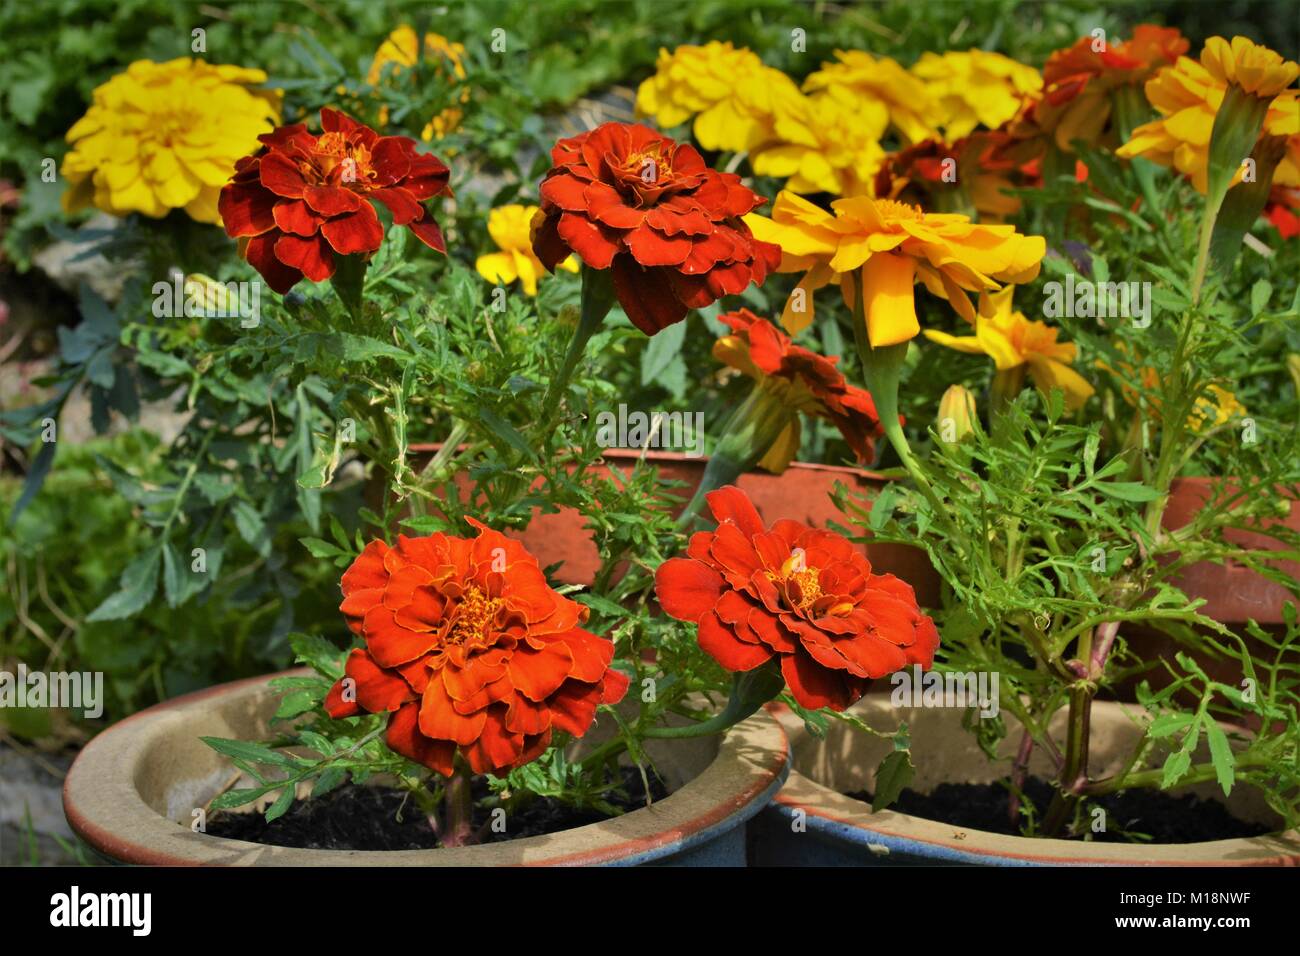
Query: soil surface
[
  {"x": 385, "y": 818},
  {"x": 1138, "y": 815}
]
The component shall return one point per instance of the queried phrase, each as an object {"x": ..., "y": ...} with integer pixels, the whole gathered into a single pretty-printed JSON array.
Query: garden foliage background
[{"x": 115, "y": 493}]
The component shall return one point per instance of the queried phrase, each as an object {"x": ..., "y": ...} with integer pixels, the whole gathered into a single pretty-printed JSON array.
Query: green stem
[
  {"x": 881, "y": 370},
  {"x": 749, "y": 691},
  {"x": 747, "y": 435},
  {"x": 597, "y": 300}
]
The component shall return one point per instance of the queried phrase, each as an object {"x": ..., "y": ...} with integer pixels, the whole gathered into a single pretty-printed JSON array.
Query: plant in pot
[
  {"x": 480, "y": 710},
  {"x": 1048, "y": 527}
]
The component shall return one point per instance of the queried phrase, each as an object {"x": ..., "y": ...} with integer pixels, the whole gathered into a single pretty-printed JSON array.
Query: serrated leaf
[
  {"x": 1167, "y": 724},
  {"x": 137, "y": 586},
  {"x": 327, "y": 781},
  {"x": 892, "y": 777},
  {"x": 1225, "y": 763}
]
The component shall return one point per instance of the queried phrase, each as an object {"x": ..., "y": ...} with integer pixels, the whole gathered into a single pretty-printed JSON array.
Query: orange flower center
[
  {"x": 338, "y": 162},
  {"x": 650, "y": 167},
  {"x": 802, "y": 584},
  {"x": 476, "y": 613}
]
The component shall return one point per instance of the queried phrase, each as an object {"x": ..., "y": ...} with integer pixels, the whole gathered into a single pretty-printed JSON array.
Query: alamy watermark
[
  {"x": 666, "y": 431},
  {"x": 199, "y": 295},
  {"x": 59, "y": 689},
  {"x": 1086, "y": 299},
  {"x": 917, "y": 688}
]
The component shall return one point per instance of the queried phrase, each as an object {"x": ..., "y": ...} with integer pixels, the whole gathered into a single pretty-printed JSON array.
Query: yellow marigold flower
[
  {"x": 890, "y": 245},
  {"x": 1017, "y": 344},
  {"x": 1256, "y": 69},
  {"x": 1189, "y": 94},
  {"x": 1217, "y": 408},
  {"x": 957, "y": 416},
  {"x": 402, "y": 48},
  {"x": 510, "y": 228},
  {"x": 728, "y": 90},
  {"x": 975, "y": 87},
  {"x": 825, "y": 143},
  {"x": 883, "y": 80},
  {"x": 164, "y": 136}
]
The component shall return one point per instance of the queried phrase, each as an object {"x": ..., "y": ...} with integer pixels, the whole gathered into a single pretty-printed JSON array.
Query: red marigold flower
[
  {"x": 803, "y": 596},
  {"x": 808, "y": 383},
  {"x": 305, "y": 197},
  {"x": 984, "y": 164},
  {"x": 625, "y": 198},
  {"x": 1283, "y": 204},
  {"x": 468, "y": 648}
]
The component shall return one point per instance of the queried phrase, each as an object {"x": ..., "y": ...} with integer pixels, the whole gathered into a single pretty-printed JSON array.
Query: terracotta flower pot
[
  {"x": 1233, "y": 594},
  {"x": 839, "y": 830},
  {"x": 132, "y": 791},
  {"x": 801, "y": 493}
]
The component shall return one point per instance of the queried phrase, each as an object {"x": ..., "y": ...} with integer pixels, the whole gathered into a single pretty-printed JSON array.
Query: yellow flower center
[
  {"x": 893, "y": 209},
  {"x": 476, "y": 613}
]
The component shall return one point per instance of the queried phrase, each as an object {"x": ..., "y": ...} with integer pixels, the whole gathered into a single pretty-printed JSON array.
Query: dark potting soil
[
  {"x": 1161, "y": 817},
  {"x": 385, "y": 818}
]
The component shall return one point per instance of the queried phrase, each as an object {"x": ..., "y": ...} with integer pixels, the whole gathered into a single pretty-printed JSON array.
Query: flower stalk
[{"x": 597, "y": 300}]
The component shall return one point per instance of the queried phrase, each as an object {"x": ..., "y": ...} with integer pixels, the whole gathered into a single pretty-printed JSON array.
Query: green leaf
[
  {"x": 505, "y": 431},
  {"x": 1127, "y": 490},
  {"x": 660, "y": 352},
  {"x": 603, "y": 605},
  {"x": 173, "y": 580},
  {"x": 237, "y": 798},
  {"x": 296, "y": 703},
  {"x": 1167, "y": 724},
  {"x": 248, "y": 521},
  {"x": 1259, "y": 295},
  {"x": 1178, "y": 764},
  {"x": 318, "y": 653},
  {"x": 137, "y": 586},
  {"x": 36, "y": 474},
  {"x": 327, "y": 781},
  {"x": 251, "y": 752},
  {"x": 321, "y": 549},
  {"x": 281, "y": 806},
  {"x": 892, "y": 777},
  {"x": 1221, "y": 755}
]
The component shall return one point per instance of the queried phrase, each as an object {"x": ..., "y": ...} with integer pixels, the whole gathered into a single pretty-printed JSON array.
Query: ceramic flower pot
[
  {"x": 834, "y": 829},
  {"x": 132, "y": 791},
  {"x": 801, "y": 493}
]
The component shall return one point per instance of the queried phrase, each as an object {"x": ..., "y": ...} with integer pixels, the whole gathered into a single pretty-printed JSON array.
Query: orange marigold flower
[
  {"x": 807, "y": 382},
  {"x": 802, "y": 596},
  {"x": 469, "y": 649},
  {"x": 1078, "y": 80},
  {"x": 975, "y": 172},
  {"x": 625, "y": 198},
  {"x": 304, "y": 197}
]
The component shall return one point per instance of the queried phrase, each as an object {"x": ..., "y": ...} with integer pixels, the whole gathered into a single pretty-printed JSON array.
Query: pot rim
[
  {"x": 675, "y": 457},
  {"x": 832, "y": 813},
  {"x": 105, "y": 809}
]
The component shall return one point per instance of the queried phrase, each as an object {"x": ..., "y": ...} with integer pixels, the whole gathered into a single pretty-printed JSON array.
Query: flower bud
[{"x": 956, "y": 414}]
